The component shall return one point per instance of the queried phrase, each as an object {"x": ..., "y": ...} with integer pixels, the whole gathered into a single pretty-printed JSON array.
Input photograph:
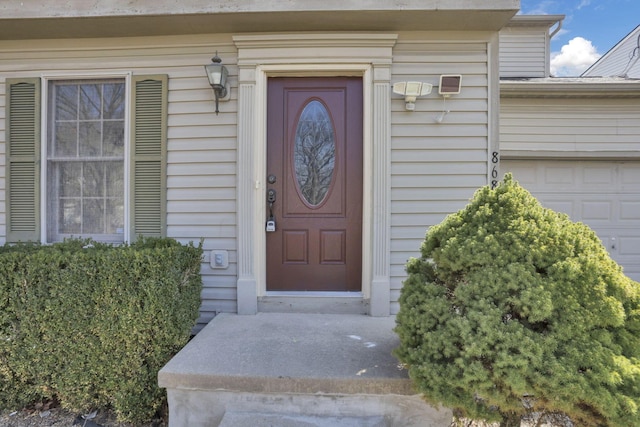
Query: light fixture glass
[{"x": 217, "y": 75}]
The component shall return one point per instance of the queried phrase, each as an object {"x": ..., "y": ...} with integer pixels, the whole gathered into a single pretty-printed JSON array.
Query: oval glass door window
[{"x": 314, "y": 153}]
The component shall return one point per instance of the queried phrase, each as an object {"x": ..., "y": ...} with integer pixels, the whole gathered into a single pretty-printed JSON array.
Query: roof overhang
[
  {"x": 535, "y": 20},
  {"x": 119, "y": 18},
  {"x": 558, "y": 87}
]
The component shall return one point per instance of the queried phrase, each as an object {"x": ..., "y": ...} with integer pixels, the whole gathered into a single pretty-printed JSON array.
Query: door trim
[{"x": 260, "y": 57}]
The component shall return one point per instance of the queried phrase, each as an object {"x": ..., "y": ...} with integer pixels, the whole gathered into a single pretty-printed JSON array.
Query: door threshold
[
  {"x": 313, "y": 302},
  {"x": 313, "y": 294}
]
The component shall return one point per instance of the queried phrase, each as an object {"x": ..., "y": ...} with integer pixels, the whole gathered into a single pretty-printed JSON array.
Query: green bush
[
  {"x": 91, "y": 325},
  {"x": 514, "y": 309}
]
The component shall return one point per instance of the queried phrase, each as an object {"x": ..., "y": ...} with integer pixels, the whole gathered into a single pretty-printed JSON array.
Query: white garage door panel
[
  {"x": 605, "y": 195},
  {"x": 629, "y": 210},
  {"x": 629, "y": 254},
  {"x": 630, "y": 246},
  {"x": 630, "y": 176}
]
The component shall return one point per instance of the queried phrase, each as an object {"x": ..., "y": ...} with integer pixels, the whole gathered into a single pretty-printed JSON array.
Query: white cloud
[
  {"x": 584, "y": 3},
  {"x": 574, "y": 57}
]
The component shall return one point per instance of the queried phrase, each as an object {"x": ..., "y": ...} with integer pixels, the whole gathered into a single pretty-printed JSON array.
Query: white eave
[
  {"x": 535, "y": 20},
  {"x": 31, "y": 19},
  {"x": 574, "y": 87}
]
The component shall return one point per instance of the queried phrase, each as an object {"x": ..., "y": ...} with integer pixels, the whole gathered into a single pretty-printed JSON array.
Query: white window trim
[{"x": 44, "y": 105}]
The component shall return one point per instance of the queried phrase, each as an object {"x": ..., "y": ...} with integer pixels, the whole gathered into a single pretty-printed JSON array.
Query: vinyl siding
[
  {"x": 621, "y": 59},
  {"x": 435, "y": 168},
  {"x": 201, "y": 147},
  {"x": 569, "y": 126},
  {"x": 3, "y": 167},
  {"x": 616, "y": 64},
  {"x": 524, "y": 52}
]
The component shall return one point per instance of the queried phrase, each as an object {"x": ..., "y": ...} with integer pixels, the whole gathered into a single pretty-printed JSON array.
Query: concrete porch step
[
  {"x": 307, "y": 366},
  {"x": 248, "y": 419}
]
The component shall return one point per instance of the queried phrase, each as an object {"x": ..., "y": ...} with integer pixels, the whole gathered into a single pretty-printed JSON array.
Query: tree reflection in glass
[{"x": 314, "y": 152}]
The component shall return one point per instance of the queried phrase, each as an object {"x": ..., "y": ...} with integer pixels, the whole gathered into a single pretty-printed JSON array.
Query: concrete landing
[
  {"x": 303, "y": 368},
  {"x": 301, "y": 353}
]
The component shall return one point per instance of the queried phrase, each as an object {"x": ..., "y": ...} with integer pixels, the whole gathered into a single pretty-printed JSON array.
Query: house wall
[
  {"x": 621, "y": 60},
  {"x": 581, "y": 157},
  {"x": 435, "y": 167},
  {"x": 569, "y": 127},
  {"x": 524, "y": 52},
  {"x": 201, "y": 157},
  {"x": 616, "y": 64}
]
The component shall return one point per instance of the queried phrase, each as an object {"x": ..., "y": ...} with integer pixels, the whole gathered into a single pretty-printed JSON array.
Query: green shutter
[
  {"x": 23, "y": 160},
  {"x": 148, "y": 159}
]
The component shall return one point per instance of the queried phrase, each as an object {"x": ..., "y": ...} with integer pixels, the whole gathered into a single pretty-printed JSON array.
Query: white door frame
[{"x": 304, "y": 55}]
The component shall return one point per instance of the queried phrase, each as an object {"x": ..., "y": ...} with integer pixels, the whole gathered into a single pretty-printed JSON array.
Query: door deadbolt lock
[{"x": 271, "y": 195}]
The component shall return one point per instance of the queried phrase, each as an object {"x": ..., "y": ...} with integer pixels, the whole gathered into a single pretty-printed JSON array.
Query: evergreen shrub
[
  {"x": 513, "y": 309},
  {"x": 90, "y": 325}
]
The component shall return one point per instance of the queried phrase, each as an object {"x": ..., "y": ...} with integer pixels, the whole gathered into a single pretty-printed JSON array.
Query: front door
[{"x": 314, "y": 184}]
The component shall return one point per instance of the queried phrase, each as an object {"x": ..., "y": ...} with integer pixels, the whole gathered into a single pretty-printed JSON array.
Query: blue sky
[{"x": 589, "y": 30}]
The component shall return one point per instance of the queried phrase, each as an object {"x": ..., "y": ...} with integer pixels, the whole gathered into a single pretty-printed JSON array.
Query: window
[
  {"x": 85, "y": 160},
  {"x": 314, "y": 153},
  {"x": 95, "y": 184}
]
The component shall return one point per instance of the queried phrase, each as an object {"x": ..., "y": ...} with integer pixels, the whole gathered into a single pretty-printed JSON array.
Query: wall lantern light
[
  {"x": 410, "y": 91},
  {"x": 217, "y": 74}
]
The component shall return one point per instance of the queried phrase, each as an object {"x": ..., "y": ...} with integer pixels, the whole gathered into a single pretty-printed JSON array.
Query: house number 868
[{"x": 494, "y": 171}]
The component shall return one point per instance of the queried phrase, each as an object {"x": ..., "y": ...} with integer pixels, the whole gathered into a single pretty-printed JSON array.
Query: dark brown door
[{"x": 314, "y": 165}]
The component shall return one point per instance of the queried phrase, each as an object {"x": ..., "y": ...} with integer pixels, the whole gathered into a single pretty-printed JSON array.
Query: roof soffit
[
  {"x": 535, "y": 20},
  {"x": 116, "y": 18}
]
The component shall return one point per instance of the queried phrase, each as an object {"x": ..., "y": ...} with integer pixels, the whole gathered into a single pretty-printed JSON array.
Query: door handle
[{"x": 271, "y": 221}]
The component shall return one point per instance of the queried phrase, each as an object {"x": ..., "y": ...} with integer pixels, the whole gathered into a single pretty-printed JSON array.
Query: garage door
[{"x": 605, "y": 195}]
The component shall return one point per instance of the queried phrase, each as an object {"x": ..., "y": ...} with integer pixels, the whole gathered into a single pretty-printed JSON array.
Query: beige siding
[
  {"x": 569, "y": 126},
  {"x": 561, "y": 151},
  {"x": 3, "y": 169},
  {"x": 619, "y": 63},
  {"x": 201, "y": 146},
  {"x": 523, "y": 52},
  {"x": 435, "y": 168}
]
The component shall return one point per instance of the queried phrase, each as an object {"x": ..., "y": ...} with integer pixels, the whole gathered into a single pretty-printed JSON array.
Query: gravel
[{"x": 58, "y": 417}]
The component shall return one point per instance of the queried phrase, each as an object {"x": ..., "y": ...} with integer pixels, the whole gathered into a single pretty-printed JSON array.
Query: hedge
[{"x": 90, "y": 325}]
